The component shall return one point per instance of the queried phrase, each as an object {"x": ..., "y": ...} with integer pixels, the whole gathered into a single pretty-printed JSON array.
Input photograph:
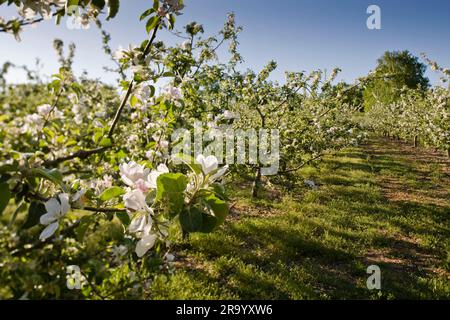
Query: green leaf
[
  {"x": 5, "y": 195},
  {"x": 124, "y": 218},
  {"x": 134, "y": 100},
  {"x": 171, "y": 21},
  {"x": 8, "y": 168},
  {"x": 113, "y": 8},
  {"x": 155, "y": 5},
  {"x": 81, "y": 229},
  {"x": 209, "y": 223},
  {"x": 219, "y": 190},
  {"x": 168, "y": 74},
  {"x": 97, "y": 136},
  {"x": 35, "y": 211},
  {"x": 53, "y": 175},
  {"x": 218, "y": 207},
  {"x": 146, "y": 13},
  {"x": 170, "y": 187},
  {"x": 111, "y": 193},
  {"x": 49, "y": 132},
  {"x": 152, "y": 90},
  {"x": 99, "y": 3},
  {"x": 70, "y": 3},
  {"x": 191, "y": 220},
  {"x": 105, "y": 142},
  {"x": 151, "y": 23}
]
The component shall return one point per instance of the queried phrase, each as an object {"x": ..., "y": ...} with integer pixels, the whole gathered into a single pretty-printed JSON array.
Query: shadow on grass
[{"x": 318, "y": 243}]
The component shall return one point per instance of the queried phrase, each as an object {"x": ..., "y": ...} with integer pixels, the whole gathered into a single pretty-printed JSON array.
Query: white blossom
[
  {"x": 154, "y": 174},
  {"x": 219, "y": 173},
  {"x": 172, "y": 93},
  {"x": 135, "y": 200},
  {"x": 208, "y": 164},
  {"x": 131, "y": 172},
  {"x": 55, "y": 211}
]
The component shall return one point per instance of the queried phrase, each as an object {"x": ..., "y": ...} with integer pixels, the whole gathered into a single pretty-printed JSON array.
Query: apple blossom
[
  {"x": 172, "y": 93},
  {"x": 154, "y": 174},
  {"x": 219, "y": 173},
  {"x": 56, "y": 209},
  {"x": 208, "y": 164},
  {"x": 131, "y": 172},
  {"x": 135, "y": 200}
]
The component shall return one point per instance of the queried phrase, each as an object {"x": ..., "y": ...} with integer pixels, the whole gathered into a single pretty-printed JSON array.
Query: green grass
[{"x": 317, "y": 244}]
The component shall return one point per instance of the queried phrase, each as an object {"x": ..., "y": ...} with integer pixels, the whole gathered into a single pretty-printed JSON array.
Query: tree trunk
[
  {"x": 416, "y": 141},
  {"x": 448, "y": 153},
  {"x": 256, "y": 183}
]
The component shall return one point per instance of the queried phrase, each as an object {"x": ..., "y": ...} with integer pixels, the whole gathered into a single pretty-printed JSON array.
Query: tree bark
[
  {"x": 256, "y": 183},
  {"x": 416, "y": 141}
]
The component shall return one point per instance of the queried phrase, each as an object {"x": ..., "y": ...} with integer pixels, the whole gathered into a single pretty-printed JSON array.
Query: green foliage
[
  {"x": 111, "y": 193},
  {"x": 95, "y": 185},
  {"x": 395, "y": 70},
  {"x": 171, "y": 187},
  {"x": 417, "y": 115},
  {"x": 5, "y": 195}
]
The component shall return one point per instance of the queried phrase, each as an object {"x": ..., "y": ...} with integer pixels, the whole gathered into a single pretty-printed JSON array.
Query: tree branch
[
  {"x": 302, "y": 165},
  {"x": 81, "y": 154},
  {"x": 130, "y": 86}
]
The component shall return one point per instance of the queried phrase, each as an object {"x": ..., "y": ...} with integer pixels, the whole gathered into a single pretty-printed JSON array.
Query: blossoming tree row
[
  {"x": 88, "y": 176},
  {"x": 420, "y": 115}
]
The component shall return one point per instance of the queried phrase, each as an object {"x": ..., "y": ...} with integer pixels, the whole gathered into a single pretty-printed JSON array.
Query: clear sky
[{"x": 298, "y": 34}]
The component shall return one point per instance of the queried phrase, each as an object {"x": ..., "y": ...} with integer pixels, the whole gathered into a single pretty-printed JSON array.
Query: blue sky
[{"x": 298, "y": 34}]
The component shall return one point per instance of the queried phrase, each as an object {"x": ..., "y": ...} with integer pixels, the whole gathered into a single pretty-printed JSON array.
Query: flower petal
[
  {"x": 153, "y": 178},
  {"x": 209, "y": 163},
  {"x": 219, "y": 173},
  {"x": 48, "y": 231},
  {"x": 53, "y": 206},
  {"x": 138, "y": 223},
  {"x": 135, "y": 200},
  {"x": 163, "y": 168},
  {"x": 47, "y": 218},
  {"x": 64, "y": 198},
  {"x": 145, "y": 244}
]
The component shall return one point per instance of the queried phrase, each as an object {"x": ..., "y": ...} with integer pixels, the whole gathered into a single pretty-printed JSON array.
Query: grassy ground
[{"x": 383, "y": 203}]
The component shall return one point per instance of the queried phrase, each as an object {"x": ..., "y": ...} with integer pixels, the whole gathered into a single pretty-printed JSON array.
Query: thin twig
[
  {"x": 130, "y": 86},
  {"x": 302, "y": 165}
]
